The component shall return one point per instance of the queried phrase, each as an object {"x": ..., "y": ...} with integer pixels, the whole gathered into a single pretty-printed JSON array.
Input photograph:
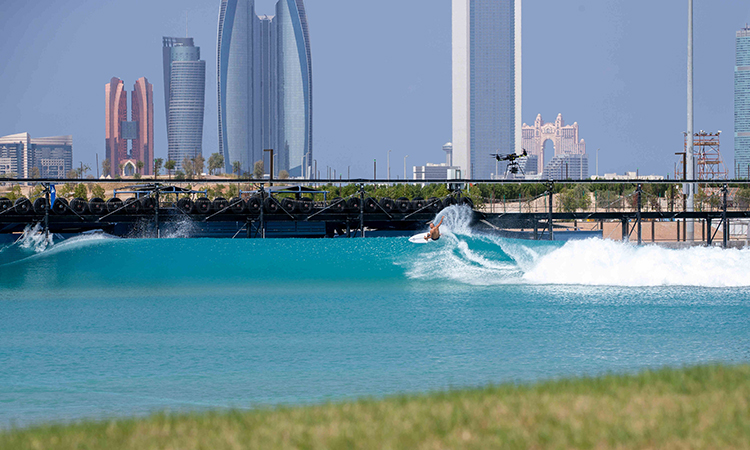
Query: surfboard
[{"x": 418, "y": 239}]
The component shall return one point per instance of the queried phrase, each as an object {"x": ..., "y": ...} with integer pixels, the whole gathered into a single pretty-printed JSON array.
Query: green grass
[{"x": 702, "y": 407}]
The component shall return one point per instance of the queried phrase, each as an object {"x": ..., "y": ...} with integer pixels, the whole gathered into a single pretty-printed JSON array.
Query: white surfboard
[{"x": 418, "y": 238}]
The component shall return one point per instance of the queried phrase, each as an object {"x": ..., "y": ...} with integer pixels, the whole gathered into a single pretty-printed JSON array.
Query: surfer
[{"x": 434, "y": 233}]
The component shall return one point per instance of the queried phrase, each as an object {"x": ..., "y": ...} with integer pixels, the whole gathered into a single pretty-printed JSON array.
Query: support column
[
  {"x": 156, "y": 214},
  {"x": 362, "y": 210},
  {"x": 724, "y": 219},
  {"x": 550, "y": 189},
  {"x": 262, "y": 218},
  {"x": 625, "y": 229},
  {"x": 639, "y": 191},
  {"x": 46, "y": 211}
]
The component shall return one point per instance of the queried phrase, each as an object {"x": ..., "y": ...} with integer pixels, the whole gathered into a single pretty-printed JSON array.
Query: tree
[
  {"x": 237, "y": 168},
  {"x": 65, "y": 191},
  {"x": 35, "y": 172},
  {"x": 179, "y": 175},
  {"x": 157, "y": 166},
  {"x": 258, "y": 170},
  {"x": 283, "y": 175},
  {"x": 215, "y": 162},
  {"x": 80, "y": 191},
  {"x": 122, "y": 167},
  {"x": 199, "y": 164},
  {"x": 139, "y": 165},
  {"x": 106, "y": 167},
  {"x": 71, "y": 174},
  {"x": 188, "y": 168},
  {"x": 97, "y": 191},
  {"x": 170, "y": 165}
]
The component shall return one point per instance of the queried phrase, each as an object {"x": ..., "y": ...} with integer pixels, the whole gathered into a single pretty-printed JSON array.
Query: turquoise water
[{"x": 98, "y": 327}]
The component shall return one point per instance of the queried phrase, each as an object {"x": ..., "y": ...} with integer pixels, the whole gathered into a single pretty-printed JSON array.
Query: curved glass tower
[
  {"x": 184, "y": 96},
  {"x": 265, "y": 86}
]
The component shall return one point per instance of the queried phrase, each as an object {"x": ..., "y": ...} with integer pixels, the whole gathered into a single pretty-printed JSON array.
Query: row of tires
[{"x": 253, "y": 205}]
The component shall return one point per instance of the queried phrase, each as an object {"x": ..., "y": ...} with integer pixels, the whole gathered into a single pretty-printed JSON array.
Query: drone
[{"x": 512, "y": 158}]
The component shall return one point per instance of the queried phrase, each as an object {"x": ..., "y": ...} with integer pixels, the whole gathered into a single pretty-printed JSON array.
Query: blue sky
[{"x": 382, "y": 73}]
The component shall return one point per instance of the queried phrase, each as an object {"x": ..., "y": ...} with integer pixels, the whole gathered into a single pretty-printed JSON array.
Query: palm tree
[
  {"x": 170, "y": 165},
  {"x": 139, "y": 165},
  {"x": 237, "y": 168},
  {"x": 158, "y": 162}
]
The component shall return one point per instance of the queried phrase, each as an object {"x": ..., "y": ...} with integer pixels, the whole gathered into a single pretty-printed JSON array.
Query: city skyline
[
  {"x": 579, "y": 57},
  {"x": 184, "y": 98},
  {"x": 264, "y": 73}
]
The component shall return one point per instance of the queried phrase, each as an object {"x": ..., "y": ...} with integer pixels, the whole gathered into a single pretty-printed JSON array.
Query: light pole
[
  {"x": 690, "y": 188},
  {"x": 597, "y": 163},
  {"x": 405, "y": 167},
  {"x": 270, "y": 173},
  {"x": 388, "y": 163}
]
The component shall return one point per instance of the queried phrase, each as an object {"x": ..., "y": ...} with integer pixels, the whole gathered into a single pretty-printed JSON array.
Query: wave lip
[{"x": 597, "y": 262}]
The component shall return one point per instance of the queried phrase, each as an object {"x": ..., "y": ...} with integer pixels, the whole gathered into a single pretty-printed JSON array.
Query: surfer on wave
[{"x": 434, "y": 233}]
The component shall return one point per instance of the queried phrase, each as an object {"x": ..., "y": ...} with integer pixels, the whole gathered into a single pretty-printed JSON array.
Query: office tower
[
  {"x": 742, "y": 104},
  {"x": 486, "y": 83},
  {"x": 139, "y": 130},
  {"x": 184, "y": 97},
  {"x": 265, "y": 86}
]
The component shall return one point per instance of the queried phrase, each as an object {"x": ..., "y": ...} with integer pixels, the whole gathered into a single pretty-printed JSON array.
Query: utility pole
[
  {"x": 405, "y": 167},
  {"x": 270, "y": 174},
  {"x": 690, "y": 175}
]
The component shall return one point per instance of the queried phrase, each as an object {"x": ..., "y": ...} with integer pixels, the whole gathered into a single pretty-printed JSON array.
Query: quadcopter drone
[{"x": 512, "y": 158}]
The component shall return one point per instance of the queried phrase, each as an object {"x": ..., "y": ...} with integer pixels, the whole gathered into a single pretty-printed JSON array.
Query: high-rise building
[
  {"x": 139, "y": 130},
  {"x": 14, "y": 155},
  {"x": 265, "y": 86},
  {"x": 184, "y": 98},
  {"x": 742, "y": 104},
  {"x": 20, "y": 154},
  {"x": 486, "y": 83}
]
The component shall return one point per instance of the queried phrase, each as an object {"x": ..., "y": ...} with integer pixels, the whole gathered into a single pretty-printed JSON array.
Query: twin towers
[{"x": 265, "y": 87}]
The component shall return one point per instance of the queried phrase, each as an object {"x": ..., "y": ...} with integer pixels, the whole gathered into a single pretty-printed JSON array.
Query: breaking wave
[{"x": 484, "y": 260}]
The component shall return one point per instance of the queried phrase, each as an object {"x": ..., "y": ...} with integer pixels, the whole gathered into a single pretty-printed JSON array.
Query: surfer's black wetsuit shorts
[{"x": 435, "y": 239}]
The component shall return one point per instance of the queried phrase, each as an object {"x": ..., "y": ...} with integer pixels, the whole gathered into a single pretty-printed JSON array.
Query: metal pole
[
  {"x": 725, "y": 220},
  {"x": 405, "y": 166},
  {"x": 46, "y": 212},
  {"x": 549, "y": 212},
  {"x": 374, "y": 169},
  {"x": 690, "y": 188},
  {"x": 362, "y": 210},
  {"x": 389, "y": 165},
  {"x": 156, "y": 215},
  {"x": 270, "y": 174},
  {"x": 638, "y": 214},
  {"x": 262, "y": 218},
  {"x": 625, "y": 229}
]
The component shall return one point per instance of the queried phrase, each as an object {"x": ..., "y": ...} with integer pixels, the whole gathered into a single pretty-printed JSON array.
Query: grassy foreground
[{"x": 702, "y": 407}]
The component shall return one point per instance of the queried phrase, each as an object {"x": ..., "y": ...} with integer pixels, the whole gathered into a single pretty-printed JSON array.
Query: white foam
[
  {"x": 598, "y": 262},
  {"x": 33, "y": 238}
]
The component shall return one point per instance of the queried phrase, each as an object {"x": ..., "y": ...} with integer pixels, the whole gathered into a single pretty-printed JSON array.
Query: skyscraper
[
  {"x": 486, "y": 83},
  {"x": 139, "y": 130},
  {"x": 742, "y": 104},
  {"x": 184, "y": 98},
  {"x": 265, "y": 86}
]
